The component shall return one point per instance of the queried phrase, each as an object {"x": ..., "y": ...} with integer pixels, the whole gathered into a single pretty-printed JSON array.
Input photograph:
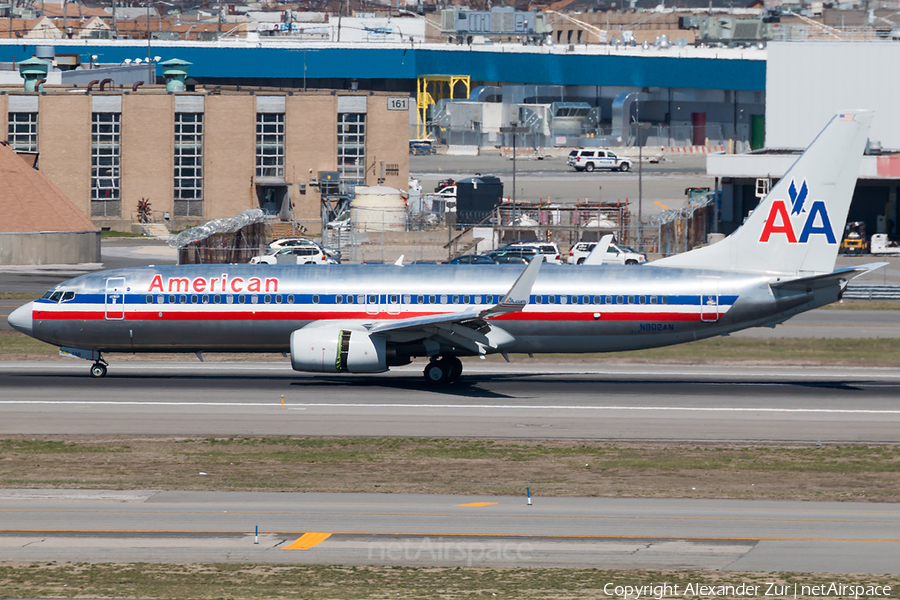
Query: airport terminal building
[{"x": 205, "y": 154}]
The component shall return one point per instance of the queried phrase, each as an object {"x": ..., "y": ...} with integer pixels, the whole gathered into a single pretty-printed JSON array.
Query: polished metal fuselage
[{"x": 255, "y": 308}]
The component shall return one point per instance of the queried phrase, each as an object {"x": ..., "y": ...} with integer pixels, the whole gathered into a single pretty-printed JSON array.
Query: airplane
[{"x": 369, "y": 318}]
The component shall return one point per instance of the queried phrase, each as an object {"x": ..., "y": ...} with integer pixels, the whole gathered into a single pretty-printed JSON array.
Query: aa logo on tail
[{"x": 813, "y": 221}]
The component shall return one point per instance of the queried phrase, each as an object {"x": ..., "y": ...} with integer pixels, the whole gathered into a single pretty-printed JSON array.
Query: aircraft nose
[{"x": 20, "y": 319}]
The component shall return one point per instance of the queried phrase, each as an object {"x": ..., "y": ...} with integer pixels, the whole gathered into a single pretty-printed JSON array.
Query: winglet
[
  {"x": 599, "y": 252},
  {"x": 399, "y": 262},
  {"x": 517, "y": 297}
]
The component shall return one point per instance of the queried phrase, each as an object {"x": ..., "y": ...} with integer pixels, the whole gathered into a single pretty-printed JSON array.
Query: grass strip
[
  {"x": 455, "y": 466},
  {"x": 201, "y": 581},
  {"x": 872, "y": 352}
]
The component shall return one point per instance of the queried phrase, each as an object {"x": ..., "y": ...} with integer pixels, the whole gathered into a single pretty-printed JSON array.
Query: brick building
[{"x": 205, "y": 154}]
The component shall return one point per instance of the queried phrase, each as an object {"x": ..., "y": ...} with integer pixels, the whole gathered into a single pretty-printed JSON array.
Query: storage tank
[{"x": 378, "y": 208}]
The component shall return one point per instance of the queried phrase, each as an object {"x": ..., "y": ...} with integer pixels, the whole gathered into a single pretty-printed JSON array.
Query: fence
[
  {"x": 872, "y": 292},
  {"x": 682, "y": 229}
]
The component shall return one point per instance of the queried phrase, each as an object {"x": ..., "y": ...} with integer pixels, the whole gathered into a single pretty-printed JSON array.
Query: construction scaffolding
[{"x": 432, "y": 88}]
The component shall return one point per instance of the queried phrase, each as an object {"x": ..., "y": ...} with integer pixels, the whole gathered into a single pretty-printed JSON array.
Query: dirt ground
[{"x": 456, "y": 466}]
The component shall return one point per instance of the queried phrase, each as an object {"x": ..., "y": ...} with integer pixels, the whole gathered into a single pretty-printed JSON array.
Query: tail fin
[{"x": 798, "y": 227}]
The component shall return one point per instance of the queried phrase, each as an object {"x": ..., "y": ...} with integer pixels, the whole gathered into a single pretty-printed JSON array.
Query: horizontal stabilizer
[{"x": 815, "y": 282}]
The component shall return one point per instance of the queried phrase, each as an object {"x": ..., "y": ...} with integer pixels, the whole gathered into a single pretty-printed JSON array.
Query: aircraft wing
[
  {"x": 513, "y": 301},
  {"x": 815, "y": 282},
  {"x": 466, "y": 328}
]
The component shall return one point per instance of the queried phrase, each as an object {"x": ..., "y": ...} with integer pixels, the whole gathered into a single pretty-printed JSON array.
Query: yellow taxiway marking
[
  {"x": 307, "y": 541},
  {"x": 476, "y": 504},
  {"x": 661, "y": 205}
]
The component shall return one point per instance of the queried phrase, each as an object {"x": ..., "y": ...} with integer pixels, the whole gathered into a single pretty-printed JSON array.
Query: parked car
[
  {"x": 297, "y": 255},
  {"x": 473, "y": 259},
  {"x": 511, "y": 259},
  {"x": 590, "y": 160},
  {"x": 549, "y": 249},
  {"x": 298, "y": 242},
  {"x": 507, "y": 254},
  {"x": 616, "y": 254}
]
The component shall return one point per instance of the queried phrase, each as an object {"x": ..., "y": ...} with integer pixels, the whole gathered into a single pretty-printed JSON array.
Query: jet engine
[{"x": 332, "y": 348}]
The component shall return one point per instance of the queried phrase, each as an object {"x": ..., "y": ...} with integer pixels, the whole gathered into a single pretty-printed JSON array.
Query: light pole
[
  {"x": 641, "y": 127},
  {"x": 514, "y": 129}
]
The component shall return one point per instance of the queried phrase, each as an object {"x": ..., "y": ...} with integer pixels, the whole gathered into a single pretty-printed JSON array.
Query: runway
[
  {"x": 581, "y": 401},
  {"x": 380, "y": 529}
]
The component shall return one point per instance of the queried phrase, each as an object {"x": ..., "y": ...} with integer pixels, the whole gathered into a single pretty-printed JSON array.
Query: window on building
[
  {"x": 188, "y": 164},
  {"x": 106, "y": 152},
  {"x": 270, "y": 145},
  {"x": 351, "y": 145},
  {"x": 22, "y": 133}
]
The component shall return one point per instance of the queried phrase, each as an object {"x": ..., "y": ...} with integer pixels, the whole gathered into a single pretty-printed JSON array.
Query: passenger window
[
  {"x": 652, "y": 299},
  {"x": 477, "y": 299},
  {"x": 290, "y": 299},
  {"x": 395, "y": 299},
  {"x": 420, "y": 300},
  {"x": 538, "y": 300},
  {"x": 338, "y": 299},
  {"x": 443, "y": 298},
  {"x": 229, "y": 299},
  {"x": 664, "y": 299},
  {"x": 586, "y": 300},
  {"x": 630, "y": 299},
  {"x": 609, "y": 300},
  {"x": 551, "y": 299},
  {"x": 205, "y": 298},
  {"x": 149, "y": 299},
  {"x": 620, "y": 300},
  {"x": 183, "y": 299},
  {"x": 242, "y": 299},
  {"x": 349, "y": 298},
  {"x": 254, "y": 299},
  {"x": 315, "y": 299},
  {"x": 277, "y": 298},
  {"x": 217, "y": 299},
  {"x": 431, "y": 300},
  {"x": 407, "y": 299},
  {"x": 194, "y": 298},
  {"x": 455, "y": 299},
  {"x": 597, "y": 300},
  {"x": 267, "y": 299},
  {"x": 642, "y": 300},
  {"x": 465, "y": 299},
  {"x": 563, "y": 299},
  {"x": 159, "y": 299},
  {"x": 373, "y": 299},
  {"x": 171, "y": 299},
  {"x": 360, "y": 299}
]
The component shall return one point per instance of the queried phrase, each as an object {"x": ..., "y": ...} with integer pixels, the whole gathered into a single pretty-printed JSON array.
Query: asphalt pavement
[
  {"x": 436, "y": 530},
  {"x": 574, "y": 401}
]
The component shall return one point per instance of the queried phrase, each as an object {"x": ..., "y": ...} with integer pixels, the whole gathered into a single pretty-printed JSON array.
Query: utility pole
[{"x": 515, "y": 129}]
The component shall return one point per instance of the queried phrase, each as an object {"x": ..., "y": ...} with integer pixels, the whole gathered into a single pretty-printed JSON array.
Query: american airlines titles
[{"x": 223, "y": 284}]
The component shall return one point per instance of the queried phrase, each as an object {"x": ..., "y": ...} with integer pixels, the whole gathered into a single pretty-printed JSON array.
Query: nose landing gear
[{"x": 443, "y": 371}]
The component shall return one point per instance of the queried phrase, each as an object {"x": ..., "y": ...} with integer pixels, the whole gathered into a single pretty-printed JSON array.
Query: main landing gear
[
  {"x": 444, "y": 370},
  {"x": 98, "y": 369}
]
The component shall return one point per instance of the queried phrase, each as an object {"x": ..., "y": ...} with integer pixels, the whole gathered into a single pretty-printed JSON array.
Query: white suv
[
  {"x": 298, "y": 255},
  {"x": 549, "y": 249},
  {"x": 616, "y": 254},
  {"x": 589, "y": 160}
]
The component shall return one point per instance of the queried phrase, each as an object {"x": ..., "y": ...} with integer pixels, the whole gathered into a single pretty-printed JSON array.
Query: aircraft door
[
  {"x": 709, "y": 301},
  {"x": 373, "y": 306},
  {"x": 115, "y": 298}
]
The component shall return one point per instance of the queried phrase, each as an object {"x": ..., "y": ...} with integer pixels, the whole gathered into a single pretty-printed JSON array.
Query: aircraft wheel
[
  {"x": 98, "y": 370},
  {"x": 437, "y": 372},
  {"x": 455, "y": 368}
]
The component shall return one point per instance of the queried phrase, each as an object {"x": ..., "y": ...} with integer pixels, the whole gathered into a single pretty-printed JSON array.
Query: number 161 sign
[{"x": 398, "y": 103}]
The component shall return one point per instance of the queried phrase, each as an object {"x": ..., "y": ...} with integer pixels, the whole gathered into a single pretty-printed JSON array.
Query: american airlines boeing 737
[{"x": 366, "y": 319}]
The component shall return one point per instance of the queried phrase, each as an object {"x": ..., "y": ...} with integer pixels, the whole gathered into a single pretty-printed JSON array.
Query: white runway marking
[{"x": 80, "y": 403}]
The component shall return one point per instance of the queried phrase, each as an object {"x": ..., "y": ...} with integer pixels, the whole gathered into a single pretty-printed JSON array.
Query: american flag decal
[{"x": 845, "y": 117}]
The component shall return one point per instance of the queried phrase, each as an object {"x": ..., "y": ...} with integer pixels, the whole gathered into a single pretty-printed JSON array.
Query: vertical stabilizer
[{"x": 798, "y": 227}]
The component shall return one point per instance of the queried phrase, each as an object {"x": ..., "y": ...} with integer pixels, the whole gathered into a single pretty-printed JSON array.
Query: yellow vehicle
[{"x": 854, "y": 241}]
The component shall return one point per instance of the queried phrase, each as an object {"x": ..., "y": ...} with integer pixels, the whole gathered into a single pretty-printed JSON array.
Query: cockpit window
[
  {"x": 68, "y": 296},
  {"x": 56, "y": 296},
  {"x": 47, "y": 295}
]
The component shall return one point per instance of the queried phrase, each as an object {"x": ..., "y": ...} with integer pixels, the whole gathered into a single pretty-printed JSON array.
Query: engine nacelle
[{"x": 332, "y": 348}]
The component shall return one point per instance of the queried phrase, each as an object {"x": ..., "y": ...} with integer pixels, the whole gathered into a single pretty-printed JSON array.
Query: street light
[
  {"x": 514, "y": 129},
  {"x": 641, "y": 127}
]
